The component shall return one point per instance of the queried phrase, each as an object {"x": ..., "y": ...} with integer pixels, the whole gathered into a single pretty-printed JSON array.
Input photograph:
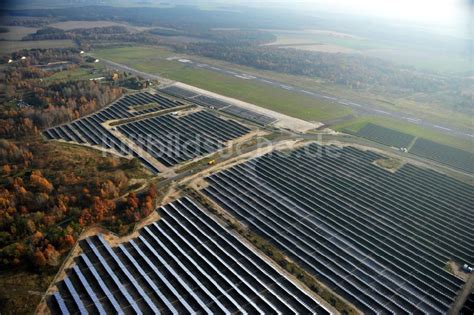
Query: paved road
[
  {"x": 142, "y": 74},
  {"x": 358, "y": 106}
]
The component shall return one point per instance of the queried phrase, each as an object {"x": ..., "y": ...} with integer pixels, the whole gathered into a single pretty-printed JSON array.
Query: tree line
[{"x": 50, "y": 192}]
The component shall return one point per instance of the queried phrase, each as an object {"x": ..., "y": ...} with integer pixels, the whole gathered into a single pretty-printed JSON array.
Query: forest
[
  {"x": 49, "y": 33},
  {"x": 51, "y": 191},
  {"x": 31, "y": 101}
]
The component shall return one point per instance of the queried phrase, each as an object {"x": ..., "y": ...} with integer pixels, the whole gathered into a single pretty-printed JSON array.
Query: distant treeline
[
  {"x": 229, "y": 37},
  {"x": 182, "y": 17},
  {"x": 51, "y": 33}
]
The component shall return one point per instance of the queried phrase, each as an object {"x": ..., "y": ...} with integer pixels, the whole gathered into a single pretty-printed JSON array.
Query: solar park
[
  {"x": 184, "y": 263},
  {"x": 379, "y": 239},
  {"x": 168, "y": 139},
  {"x": 172, "y": 140}
]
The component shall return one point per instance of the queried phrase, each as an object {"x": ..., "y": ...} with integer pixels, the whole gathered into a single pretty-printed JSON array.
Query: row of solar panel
[
  {"x": 214, "y": 103},
  {"x": 252, "y": 116},
  {"x": 89, "y": 129},
  {"x": 184, "y": 263},
  {"x": 468, "y": 308},
  {"x": 129, "y": 106},
  {"x": 376, "y": 241},
  {"x": 172, "y": 140}
]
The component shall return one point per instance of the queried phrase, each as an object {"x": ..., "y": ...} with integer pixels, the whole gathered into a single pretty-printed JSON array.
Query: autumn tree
[
  {"x": 38, "y": 182},
  {"x": 39, "y": 259}
]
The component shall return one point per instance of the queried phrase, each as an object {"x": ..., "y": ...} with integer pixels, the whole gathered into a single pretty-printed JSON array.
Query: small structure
[
  {"x": 467, "y": 268},
  {"x": 22, "y": 104},
  {"x": 55, "y": 66},
  {"x": 97, "y": 79}
]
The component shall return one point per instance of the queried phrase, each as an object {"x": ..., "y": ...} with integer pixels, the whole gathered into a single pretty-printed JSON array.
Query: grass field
[
  {"x": 21, "y": 291},
  {"x": 153, "y": 60},
  {"x": 293, "y": 104},
  {"x": 353, "y": 126},
  {"x": 74, "y": 74},
  {"x": 151, "y": 57}
]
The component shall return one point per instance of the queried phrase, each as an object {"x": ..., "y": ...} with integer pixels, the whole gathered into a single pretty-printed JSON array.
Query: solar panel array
[
  {"x": 126, "y": 106},
  {"x": 172, "y": 140},
  {"x": 468, "y": 308},
  {"x": 385, "y": 136},
  {"x": 89, "y": 129},
  {"x": 451, "y": 156},
  {"x": 178, "y": 92},
  {"x": 185, "y": 263},
  {"x": 379, "y": 239},
  {"x": 212, "y": 102},
  {"x": 252, "y": 116}
]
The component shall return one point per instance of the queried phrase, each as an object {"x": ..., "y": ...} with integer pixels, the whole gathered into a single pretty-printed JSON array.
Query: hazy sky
[
  {"x": 418, "y": 10},
  {"x": 431, "y": 11}
]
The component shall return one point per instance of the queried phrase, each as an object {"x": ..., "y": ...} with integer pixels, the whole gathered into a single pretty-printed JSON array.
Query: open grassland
[
  {"x": 296, "y": 105},
  {"x": 7, "y": 47},
  {"x": 21, "y": 291},
  {"x": 149, "y": 57},
  {"x": 75, "y": 74},
  {"x": 353, "y": 126}
]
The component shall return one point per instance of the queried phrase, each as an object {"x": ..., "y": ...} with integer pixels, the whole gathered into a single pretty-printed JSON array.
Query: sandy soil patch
[
  {"x": 327, "y": 48},
  {"x": 331, "y": 33},
  {"x": 315, "y": 32},
  {"x": 284, "y": 121}
]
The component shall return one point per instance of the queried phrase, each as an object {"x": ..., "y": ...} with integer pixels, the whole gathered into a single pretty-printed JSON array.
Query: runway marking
[{"x": 441, "y": 127}]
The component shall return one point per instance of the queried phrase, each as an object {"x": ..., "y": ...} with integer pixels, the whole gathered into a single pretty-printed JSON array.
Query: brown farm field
[{"x": 16, "y": 32}]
